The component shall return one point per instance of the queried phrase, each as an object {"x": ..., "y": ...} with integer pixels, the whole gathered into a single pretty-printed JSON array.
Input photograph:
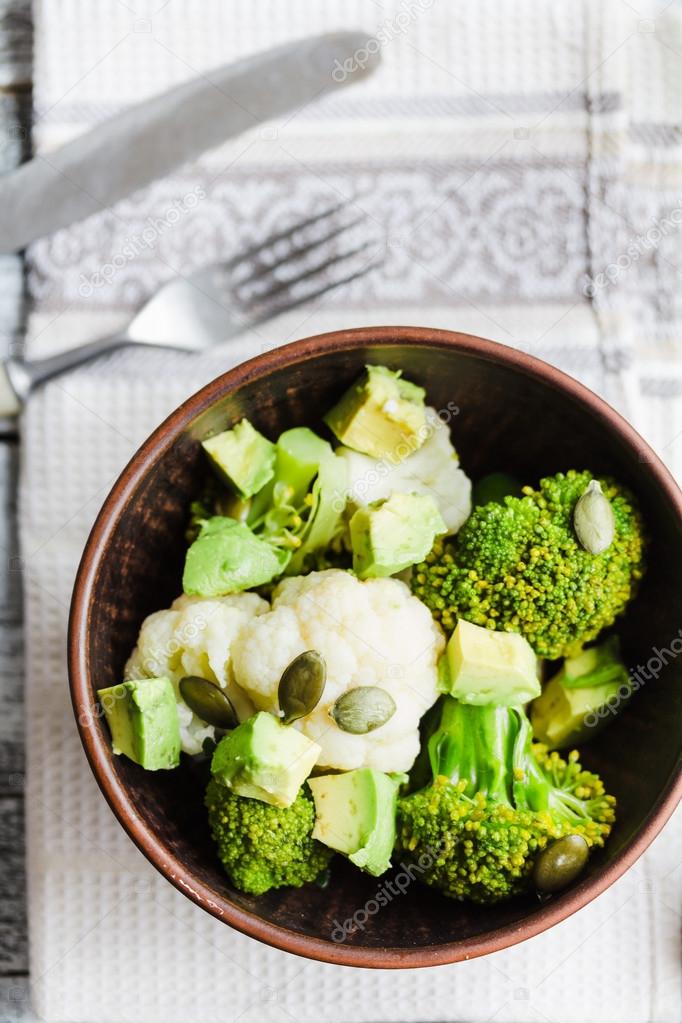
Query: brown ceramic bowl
[{"x": 516, "y": 414}]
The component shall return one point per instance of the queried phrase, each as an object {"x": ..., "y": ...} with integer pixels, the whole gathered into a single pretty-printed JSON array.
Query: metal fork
[{"x": 288, "y": 269}]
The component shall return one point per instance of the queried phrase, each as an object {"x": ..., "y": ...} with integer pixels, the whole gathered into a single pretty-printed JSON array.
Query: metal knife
[{"x": 148, "y": 140}]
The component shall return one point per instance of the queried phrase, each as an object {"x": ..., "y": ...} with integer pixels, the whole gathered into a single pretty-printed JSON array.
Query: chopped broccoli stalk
[
  {"x": 301, "y": 508},
  {"x": 263, "y": 846},
  {"x": 494, "y": 802},
  {"x": 519, "y": 567}
]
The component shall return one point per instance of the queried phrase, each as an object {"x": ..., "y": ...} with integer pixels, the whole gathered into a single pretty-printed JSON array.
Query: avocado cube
[
  {"x": 490, "y": 667},
  {"x": 142, "y": 715},
  {"x": 355, "y": 815},
  {"x": 227, "y": 557},
  {"x": 381, "y": 415},
  {"x": 265, "y": 759},
  {"x": 243, "y": 457},
  {"x": 595, "y": 666},
  {"x": 582, "y": 698},
  {"x": 390, "y": 535}
]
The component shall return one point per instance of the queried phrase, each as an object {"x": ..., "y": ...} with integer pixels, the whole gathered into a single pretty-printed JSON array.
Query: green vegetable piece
[
  {"x": 582, "y": 698},
  {"x": 381, "y": 415},
  {"x": 208, "y": 702},
  {"x": 355, "y": 815},
  {"x": 301, "y": 686},
  {"x": 363, "y": 709},
  {"x": 518, "y": 566},
  {"x": 490, "y": 667},
  {"x": 227, "y": 558},
  {"x": 494, "y": 488},
  {"x": 264, "y": 759},
  {"x": 390, "y": 535},
  {"x": 261, "y": 846},
  {"x": 595, "y": 667},
  {"x": 594, "y": 521},
  {"x": 560, "y": 863},
  {"x": 299, "y": 453},
  {"x": 143, "y": 720},
  {"x": 301, "y": 508},
  {"x": 243, "y": 457},
  {"x": 324, "y": 521},
  {"x": 492, "y": 801}
]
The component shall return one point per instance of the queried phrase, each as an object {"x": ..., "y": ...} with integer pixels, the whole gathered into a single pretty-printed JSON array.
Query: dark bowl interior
[{"x": 516, "y": 415}]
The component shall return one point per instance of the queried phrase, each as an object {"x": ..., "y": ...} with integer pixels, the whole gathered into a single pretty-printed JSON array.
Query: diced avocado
[
  {"x": 595, "y": 666},
  {"x": 582, "y": 697},
  {"x": 491, "y": 667},
  {"x": 355, "y": 815},
  {"x": 264, "y": 759},
  {"x": 390, "y": 535},
  {"x": 227, "y": 557},
  {"x": 243, "y": 457},
  {"x": 143, "y": 720},
  {"x": 381, "y": 415}
]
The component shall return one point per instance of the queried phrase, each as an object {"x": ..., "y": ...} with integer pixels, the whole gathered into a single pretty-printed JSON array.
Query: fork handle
[{"x": 18, "y": 377}]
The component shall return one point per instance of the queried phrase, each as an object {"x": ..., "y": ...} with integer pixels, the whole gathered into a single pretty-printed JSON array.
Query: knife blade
[{"x": 151, "y": 138}]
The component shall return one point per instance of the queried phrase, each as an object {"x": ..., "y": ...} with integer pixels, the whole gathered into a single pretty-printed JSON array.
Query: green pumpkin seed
[
  {"x": 593, "y": 520},
  {"x": 301, "y": 686},
  {"x": 208, "y": 702},
  {"x": 363, "y": 709},
  {"x": 560, "y": 863}
]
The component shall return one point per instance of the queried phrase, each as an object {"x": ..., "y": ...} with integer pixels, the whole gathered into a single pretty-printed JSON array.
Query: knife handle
[{"x": 19, "y": 377}]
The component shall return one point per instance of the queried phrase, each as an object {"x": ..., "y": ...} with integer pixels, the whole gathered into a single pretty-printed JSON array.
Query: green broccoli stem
[
  {"x": 475, "y": 746},
  {"x": 488, "y": 750}
]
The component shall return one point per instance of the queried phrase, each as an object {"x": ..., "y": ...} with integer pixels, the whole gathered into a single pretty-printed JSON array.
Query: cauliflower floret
[
  {"x": 195, "y": 636},
  {"x": 432, "y": 469},
  {"x": 371, "y": 633}
]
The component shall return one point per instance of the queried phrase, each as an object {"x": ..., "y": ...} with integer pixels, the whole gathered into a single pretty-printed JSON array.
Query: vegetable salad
[{"x": 372, "y": 658}]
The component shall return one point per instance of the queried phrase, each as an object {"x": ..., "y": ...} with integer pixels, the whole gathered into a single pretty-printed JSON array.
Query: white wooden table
[{"x": 15, "y": 105}]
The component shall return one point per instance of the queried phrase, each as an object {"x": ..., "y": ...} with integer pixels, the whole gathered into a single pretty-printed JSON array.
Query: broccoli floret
[
  {"x": 518, "y": 566},
  {"x": 496, "y": 799},
  {"x": 263, "y": 846}
]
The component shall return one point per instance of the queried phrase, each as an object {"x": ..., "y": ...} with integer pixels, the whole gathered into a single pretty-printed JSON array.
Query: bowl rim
[{"x": 82, "y": 691}]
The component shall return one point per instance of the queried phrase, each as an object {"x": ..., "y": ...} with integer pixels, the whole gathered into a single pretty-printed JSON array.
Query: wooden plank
[
  {"x": 16, "y": 44},
  {"x": 13, "y": 925},
  {"x": 15, "y": 1003},
  {"x": 11, "y": 640}
]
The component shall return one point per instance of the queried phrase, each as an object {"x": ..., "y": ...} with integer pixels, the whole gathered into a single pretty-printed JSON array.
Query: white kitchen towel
[{"x": 513, "y": 157}]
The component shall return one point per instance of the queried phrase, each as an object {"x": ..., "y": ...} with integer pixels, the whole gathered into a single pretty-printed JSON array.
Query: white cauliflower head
[
  {"x": 195, "y": 636},
  {"x": 370, "y": 633},
  {"x": 431, "y": 469}
]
